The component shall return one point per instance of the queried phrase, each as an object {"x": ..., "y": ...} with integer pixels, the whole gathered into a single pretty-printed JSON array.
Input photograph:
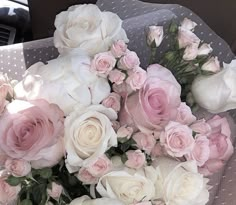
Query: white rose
[
  {"x": 126, "y": 187},
  {"x": 66, "y": 81},
  {"x": 155, "y": 34},
  {"x": 205, "y": 49},
  {"x": 86, "y": 27},
  {"x": 190, "y": 52},
  {"x": 188, "y": 24},
  {"x": 85, "y": 200},
  {"x": 88, "y": 135},
  {"x": 217, "y": 92},
  {"x": 179, "y": 183}
]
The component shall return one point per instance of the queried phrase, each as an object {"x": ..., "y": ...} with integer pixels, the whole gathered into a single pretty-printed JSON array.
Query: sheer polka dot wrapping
[{"x": 137, "y": 16}]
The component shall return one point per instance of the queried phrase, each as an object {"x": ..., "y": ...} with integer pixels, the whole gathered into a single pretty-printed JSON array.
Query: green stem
[{"x": 152, "y": 56}]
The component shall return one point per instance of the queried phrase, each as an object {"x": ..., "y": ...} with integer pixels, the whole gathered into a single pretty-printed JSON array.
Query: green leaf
[
  {"x": 173, "y": 28},
  {"x": 14, "y": 181},
  {"x": 45, "y": 173},
  {"x": 26, "y": 202}
]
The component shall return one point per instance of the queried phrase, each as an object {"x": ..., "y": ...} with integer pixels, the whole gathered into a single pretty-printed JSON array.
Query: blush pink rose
[
  {"x": 144, "y": 141},
  {"x": 103, "y": 63},
  {"x": 55, "y": 191},
  {"x": 187, "y": 38},
  {"x": 118, "y": 48},
  {"x": 5, "y": 89},
  {"x": 122, "y": 89},
  {"x": 220, "y": 145},
  {"x": 184, "y": 114},
  {"x": 201, "y": 127},
  {"x": 136, "y": 78},
  {"x": 129, "y": 61},
  {"x": 18, "y": 167},
  {"x": 8, "y": 194},
  {"x": 136, "y": 159},
  {"x": 220, "y": 139},
  {"x": 28, "y": 128},
  {"x": 5, "y": 85},
  {"x": 115, "y": 125},
  {"x": 211, "y": 167},
  {"x": 116, "y": 76},
  {"x": 190, "y": 52},
  {"x": 158, "y": 151},
  {"x": 201, "y": 150},
  {"x": 153, "y": 106},
  {"x": 112, "y": 101},
  {"x": 100, "y": 167},
  {"x": 177, "y": 139},
  {"x": 124, "y": 132},
  {"x": 86, "y": 177}
]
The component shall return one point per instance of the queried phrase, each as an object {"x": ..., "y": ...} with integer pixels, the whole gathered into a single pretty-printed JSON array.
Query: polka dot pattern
[{"x": 137, "y": 16}]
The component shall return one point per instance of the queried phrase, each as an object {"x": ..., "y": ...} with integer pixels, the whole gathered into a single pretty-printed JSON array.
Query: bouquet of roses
[{"x": 93, "y": 127}]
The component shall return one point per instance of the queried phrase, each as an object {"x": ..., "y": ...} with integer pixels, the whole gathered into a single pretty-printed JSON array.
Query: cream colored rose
[
  {"x": 86, "y": 27},
  {"x": 179, "y": 183},
  {"x": 88, "y": 135},
  {"x": 85, "y": 200},
  {"x": 126, "y": 187}
]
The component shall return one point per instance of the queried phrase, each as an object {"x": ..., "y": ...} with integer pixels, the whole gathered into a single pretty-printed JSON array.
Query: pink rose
[
  {"x": 86, "y": 177},
  {"x": 144, "y": 141},
  {"x": 5, "y": 88},
  {"x": 50, "y": 156},
  {"x": 116, "y": 76},
  {"x": 153, "y": 106},
  {"x": 103, "y": 63},
  {"x": 5, "y": 85},
  {"x": 3, "y": 103},
  {"x": 177, "y": 139},
  {"x": 30, "y": 129},
  {"x": 155, "y": 34},
  {"x": 122, "y": 89},
  {"x": 190, "y": 52},
  {"x": 55, "y": 191},
  {"x": 136, "y": 78},
  {"x": 187, "y": 37},
  {"x": 136, "y": 159},
  {"x": 201, "y": 150},
  {"x": 8, "y": 194},
  {"x": 201, "y": 127},
  {"x": 157, "y": 151},
  {"x": 129, "y": 61},
  {"x": 112, "y": 101},
  {"x": 118, "y": 48},
  {"x": 18, "y": 167},
  {"x": 100, "y": 167},
  {"x": 184, "y": 114},
  {"x": 188, "y": 24},
  {"x": 115, "y": 125},
  {"x": 220, "y": 141},
  {"x": 211, "y": 167},
  {"x": 212, "y": 65},
  {"x": 124, "y": 132},
  {"x": 220, "y": 145}
]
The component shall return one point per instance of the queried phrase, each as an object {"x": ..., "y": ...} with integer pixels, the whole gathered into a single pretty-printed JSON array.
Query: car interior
[{"x": 27, "y": 20}]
